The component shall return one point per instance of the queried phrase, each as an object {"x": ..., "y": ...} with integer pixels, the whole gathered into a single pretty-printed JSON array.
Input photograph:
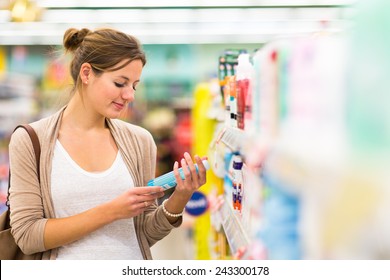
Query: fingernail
[{"x": 176, "y": 164}]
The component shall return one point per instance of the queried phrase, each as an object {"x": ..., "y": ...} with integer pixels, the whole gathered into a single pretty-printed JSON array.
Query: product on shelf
[
  {"x": 237, "y": 183},
  {"x": 245, "y": 73}
]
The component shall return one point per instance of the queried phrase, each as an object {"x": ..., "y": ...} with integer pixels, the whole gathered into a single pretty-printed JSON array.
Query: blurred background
[{"x": 287, "y": 98}]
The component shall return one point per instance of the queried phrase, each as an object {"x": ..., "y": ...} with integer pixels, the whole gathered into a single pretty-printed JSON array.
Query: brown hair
[{"x": 103, "y": 49}]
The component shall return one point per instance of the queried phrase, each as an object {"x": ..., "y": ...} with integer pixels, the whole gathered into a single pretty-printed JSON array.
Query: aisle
[{"x": 178, "y": 245}]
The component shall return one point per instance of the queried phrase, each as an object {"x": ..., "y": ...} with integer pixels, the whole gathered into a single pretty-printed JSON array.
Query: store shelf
[
  {"x": 232, "y": 137},
  {"x": 239, "y": 226},
  {"x": 236, "y": 235}
]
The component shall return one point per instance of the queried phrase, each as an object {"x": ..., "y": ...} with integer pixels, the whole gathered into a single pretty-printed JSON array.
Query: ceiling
[{"x": 43, "y": 22}]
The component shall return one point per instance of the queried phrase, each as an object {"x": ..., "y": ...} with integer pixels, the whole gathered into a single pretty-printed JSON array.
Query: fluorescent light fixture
[
  {"x": 187, "y": 15},
  {"x": 186, "y": 3},
  {"x": 170, "y": 33},
  {"x": 156, "y": 22}
]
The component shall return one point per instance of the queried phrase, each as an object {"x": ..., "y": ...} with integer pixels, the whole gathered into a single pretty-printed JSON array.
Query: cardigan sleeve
[
  {"x": 150, "y": 157},
  {"x": 27, "y": 216}
]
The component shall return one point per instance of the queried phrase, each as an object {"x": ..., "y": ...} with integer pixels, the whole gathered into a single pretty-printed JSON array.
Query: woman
[{"x": 91, "y": 202}]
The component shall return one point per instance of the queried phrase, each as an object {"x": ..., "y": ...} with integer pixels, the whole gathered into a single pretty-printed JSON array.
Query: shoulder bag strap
[{"x": 37, "y": 150}]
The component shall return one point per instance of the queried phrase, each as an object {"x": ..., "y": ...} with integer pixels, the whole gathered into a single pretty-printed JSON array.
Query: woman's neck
[{"x": 78, "y": 115}]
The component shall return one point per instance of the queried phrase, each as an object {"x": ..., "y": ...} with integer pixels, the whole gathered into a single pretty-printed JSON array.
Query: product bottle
[
  {"x": 233, "y": 101},
  {"x": 226, "y": 100},
  {"x": 168, "y": 180},
  {"x": 222, "y": 73},
  {"x": 253, "y": 125},
  {"x": 245, "y": 72},
  {"x": 237, "y": 183}
]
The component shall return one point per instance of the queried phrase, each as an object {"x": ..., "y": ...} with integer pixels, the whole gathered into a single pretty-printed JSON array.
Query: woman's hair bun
[{"x": 74, "y": 37}]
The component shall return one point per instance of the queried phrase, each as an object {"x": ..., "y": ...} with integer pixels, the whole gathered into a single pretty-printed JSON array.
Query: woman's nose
[{"x": 128, "y": 94}]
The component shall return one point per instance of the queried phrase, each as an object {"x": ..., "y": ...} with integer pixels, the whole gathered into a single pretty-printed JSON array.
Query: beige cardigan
[{"x": 31, "y": 204}]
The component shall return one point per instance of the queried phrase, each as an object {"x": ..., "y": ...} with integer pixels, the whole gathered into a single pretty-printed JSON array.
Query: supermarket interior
[{"x": 287, "y": 99}]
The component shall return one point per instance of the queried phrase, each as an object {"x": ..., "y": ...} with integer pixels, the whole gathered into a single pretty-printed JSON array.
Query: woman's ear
[{"x": 85, "y": 71}]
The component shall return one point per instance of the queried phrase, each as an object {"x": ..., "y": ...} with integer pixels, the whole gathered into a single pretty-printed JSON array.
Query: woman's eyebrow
[
  {"x": 124, "y": 77},
  {"x": 127, "y": 79}
]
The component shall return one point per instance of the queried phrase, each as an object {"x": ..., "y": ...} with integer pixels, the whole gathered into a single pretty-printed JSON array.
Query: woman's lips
[{"x": 119, "y": 106}]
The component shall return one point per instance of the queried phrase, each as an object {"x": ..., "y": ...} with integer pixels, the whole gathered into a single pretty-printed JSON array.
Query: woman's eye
[
  {"x": 119, "y": 85},
  {"x": 134, "y": 88}
]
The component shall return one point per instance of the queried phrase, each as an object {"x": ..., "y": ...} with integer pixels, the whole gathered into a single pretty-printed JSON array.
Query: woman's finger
[
  {"x": 176, "y": 173},
  {"x": 147, "y": 190},
  {"x": 201, "y": 171},
  {"x": 186, "y": 171},
  {"x": 191, "y": 166}
]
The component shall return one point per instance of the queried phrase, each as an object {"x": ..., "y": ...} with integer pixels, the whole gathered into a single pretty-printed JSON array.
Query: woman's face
[{"x": 109, "y": 93}]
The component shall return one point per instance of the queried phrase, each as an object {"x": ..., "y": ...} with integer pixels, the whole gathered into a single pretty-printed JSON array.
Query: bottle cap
[
  {"x": 206, "y": 164},
  {"x": 237, "y": 165},
  {"x": 244, "y": 67},
  {"x": 237, "y": 162}
]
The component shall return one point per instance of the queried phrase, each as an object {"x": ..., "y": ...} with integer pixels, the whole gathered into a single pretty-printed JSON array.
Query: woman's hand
[
  {"x": 192, "y": 180},
  {"x": 185, "y": 187},
  {"x": 131, "y": 203},
  {"x": 134, "y": 201}
]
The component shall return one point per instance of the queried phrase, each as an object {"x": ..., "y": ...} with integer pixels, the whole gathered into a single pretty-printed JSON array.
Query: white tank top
[{"x": 75, "y": 190}]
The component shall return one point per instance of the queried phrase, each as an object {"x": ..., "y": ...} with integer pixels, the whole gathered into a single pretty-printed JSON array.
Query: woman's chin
[{"x": 113, "y": 114}]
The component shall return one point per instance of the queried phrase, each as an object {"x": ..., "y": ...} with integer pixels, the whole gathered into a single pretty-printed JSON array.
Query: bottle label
[{"x": 169, "y": 185}]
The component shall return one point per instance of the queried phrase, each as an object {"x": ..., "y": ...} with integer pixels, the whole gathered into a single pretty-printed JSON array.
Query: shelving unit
[
  {"x": 305, "y": 163},
  {"x": 239, "y": 228},
  {"x": 236, "y": 235}
]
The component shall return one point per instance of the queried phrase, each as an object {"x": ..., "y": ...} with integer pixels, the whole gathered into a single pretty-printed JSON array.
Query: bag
[{"x": 9, "y": 249}]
